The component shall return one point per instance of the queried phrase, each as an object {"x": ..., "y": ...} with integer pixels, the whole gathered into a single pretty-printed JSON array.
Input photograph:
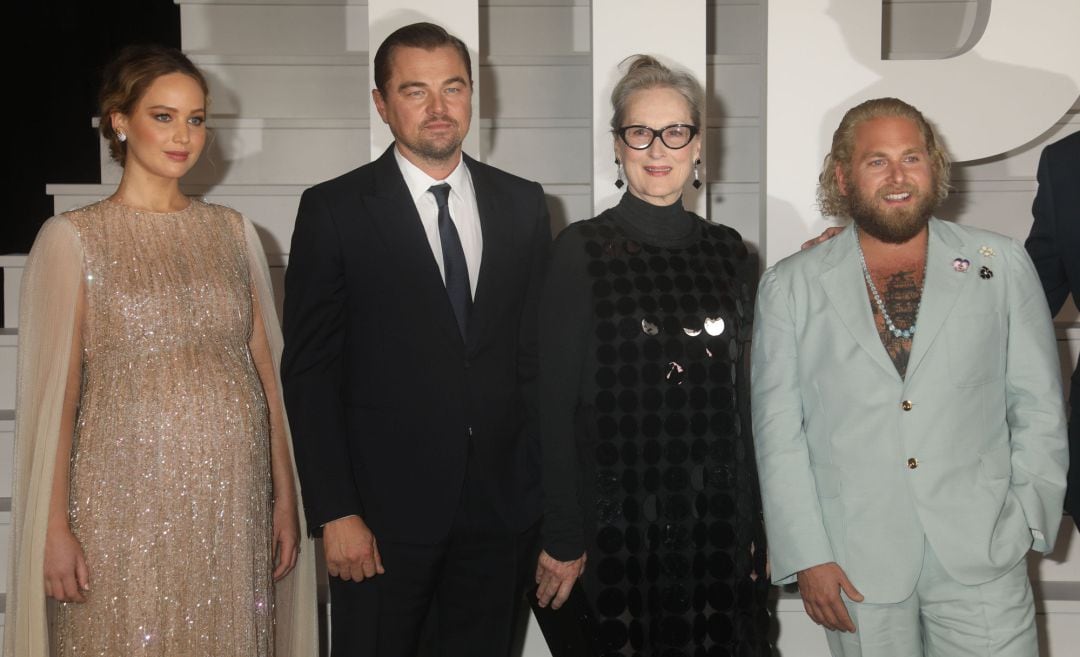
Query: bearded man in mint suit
[{"x": 908, "y": 416}]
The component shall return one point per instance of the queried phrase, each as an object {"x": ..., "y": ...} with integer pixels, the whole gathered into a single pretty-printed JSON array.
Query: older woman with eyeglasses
[{"x": 649, "y": 472}]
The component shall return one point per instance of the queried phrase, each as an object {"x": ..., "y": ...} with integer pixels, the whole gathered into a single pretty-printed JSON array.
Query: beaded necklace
[{"x": 905, "y": 334}]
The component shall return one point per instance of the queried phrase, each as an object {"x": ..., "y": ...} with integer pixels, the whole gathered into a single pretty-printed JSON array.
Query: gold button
[
  {"x": 912, "y": 463},
  {"x": 906, "y": 405}
]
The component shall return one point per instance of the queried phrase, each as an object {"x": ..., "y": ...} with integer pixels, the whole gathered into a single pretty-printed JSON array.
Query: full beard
[{"x": 892, "y": 226}]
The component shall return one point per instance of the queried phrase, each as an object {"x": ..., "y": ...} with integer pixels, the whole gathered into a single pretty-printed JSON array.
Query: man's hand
[
  {"x": 351, "y": 552},
  {"x": 66, "y": 576},
  {"x": 825, "y": 236},
  {"x": 555, "y": 578},
  {"x": 820, "y": 588}
]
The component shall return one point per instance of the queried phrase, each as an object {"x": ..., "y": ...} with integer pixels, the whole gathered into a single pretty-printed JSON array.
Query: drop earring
[
  {"x": 121, "y": 137},
  {"x": 697, "y": 180},
  {"x": 618, "y": 174}
]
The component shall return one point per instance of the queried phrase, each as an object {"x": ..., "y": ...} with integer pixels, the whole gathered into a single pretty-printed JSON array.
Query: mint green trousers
[{"x": 944, "y": 618}]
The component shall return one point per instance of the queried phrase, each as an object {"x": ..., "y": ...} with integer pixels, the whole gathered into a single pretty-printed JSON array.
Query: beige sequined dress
[{"x": 170, "y": 471}]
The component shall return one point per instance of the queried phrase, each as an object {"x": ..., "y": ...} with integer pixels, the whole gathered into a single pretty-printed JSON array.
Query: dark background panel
[{"x": 56, "y": 50}]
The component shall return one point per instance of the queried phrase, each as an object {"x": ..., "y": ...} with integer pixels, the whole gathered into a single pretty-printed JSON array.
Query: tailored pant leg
[
  {"x": 354, "y": 611},
  {"x": 383, "y": 616},
  {"x": 475, "y": 595},
  {"x": 881, "y": 630},
  {"x": 527, "y": 550},
  {"x": 994, "y": 619}
]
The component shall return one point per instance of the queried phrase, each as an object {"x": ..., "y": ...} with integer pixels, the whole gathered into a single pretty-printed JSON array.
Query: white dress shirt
[{"x": 464, "y": 212}]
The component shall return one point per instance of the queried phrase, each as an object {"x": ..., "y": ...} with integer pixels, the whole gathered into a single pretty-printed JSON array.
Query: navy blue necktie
[{"x": 454, "y": 267}]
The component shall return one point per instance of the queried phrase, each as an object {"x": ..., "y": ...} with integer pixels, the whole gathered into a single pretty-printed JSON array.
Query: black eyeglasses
[{"x": 640, "y": 137}]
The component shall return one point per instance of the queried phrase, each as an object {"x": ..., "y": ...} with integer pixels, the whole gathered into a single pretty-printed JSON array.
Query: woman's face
[
  {"x": 657, "y": 174},
  {"x": 166, "y": 131}
]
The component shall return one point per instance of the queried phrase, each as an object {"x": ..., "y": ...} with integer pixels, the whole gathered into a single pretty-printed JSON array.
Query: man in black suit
[
  {"x": 1054, "y": 246},
  {"x": 410, "y": 355}
]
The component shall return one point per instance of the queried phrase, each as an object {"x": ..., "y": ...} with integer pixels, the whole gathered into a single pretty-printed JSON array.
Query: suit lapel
[
  {"x": 392, "y": 212},
  {"x": 941, "y": 289},
  {"x": 498, "y": 244},
  {"x": 845, "y": 286}
]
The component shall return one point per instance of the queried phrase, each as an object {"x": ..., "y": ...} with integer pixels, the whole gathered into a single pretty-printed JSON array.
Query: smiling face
[
  {"x": 890, "y": 184},
  {"x": 166, "y": 130},
  {"x": 427, "y": 104},
  {"x": 657, "y": 174}
]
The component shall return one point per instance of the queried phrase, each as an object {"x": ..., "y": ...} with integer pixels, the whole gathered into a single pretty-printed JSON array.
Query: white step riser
[
  {"x": 8, "y": 365},
  {"x": 274, "y": 30},
  {"x": 269, "y": 156},
  {"x": 287, "y": 91}
]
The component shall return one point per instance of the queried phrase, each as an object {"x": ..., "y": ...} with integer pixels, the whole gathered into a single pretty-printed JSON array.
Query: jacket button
[
  {"x": 906, "y": 405},
  {"x": 912, "y": 463}
]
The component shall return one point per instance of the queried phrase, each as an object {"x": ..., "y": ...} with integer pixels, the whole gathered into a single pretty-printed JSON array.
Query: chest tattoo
[{"x": 901, "y": 292}]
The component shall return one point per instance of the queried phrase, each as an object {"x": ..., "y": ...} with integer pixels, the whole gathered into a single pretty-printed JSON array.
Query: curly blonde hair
[{"x": 830, "y": 197}]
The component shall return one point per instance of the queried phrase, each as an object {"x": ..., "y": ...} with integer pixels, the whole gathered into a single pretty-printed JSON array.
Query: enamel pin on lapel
[
  {"x": 961, "y": 265},
  {"x": 987, "y": 252}
]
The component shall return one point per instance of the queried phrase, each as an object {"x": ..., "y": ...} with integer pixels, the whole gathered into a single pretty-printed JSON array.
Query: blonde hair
[{"x": 830, "y": 197}]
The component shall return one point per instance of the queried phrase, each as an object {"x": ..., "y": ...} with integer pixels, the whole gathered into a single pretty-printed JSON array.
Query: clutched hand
[{"x": 351, "y": 550}]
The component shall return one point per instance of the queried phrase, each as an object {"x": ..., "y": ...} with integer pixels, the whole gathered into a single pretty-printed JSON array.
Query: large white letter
[{"x": 824, "y": 57}]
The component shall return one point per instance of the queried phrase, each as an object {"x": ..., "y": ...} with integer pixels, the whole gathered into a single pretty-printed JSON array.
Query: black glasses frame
[{"x": 658, "y": 133}]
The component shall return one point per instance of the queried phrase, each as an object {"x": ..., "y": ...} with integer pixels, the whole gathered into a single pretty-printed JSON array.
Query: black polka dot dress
[{"x": 648, "y": 461}]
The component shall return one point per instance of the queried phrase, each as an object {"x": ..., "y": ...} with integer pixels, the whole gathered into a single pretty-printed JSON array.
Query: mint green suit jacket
[{"x": 860, "y": 466}]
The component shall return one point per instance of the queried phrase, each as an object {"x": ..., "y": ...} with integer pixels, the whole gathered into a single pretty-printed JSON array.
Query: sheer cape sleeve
[
  {"x": 47, "y": 301},
  {"x": 50, "y": 288},
  {"x": 296, "y": 631}
]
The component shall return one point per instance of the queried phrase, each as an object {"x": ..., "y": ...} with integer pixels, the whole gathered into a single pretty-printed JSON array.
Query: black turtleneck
[
  {"x": 567, "y": 351},
  {"x": 666, "y": 226}
]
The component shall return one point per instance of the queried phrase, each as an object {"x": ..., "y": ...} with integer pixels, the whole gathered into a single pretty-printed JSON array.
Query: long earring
[
  {"x": 121, "y": 137},
  {"x": 618, "y": 174},
  {"x": 697, "y": 180}
]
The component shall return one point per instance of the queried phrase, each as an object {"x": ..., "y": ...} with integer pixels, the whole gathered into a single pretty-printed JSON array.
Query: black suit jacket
[
  {"x": 1054, "y": 246},
  {"x": 387, "y": 402}
]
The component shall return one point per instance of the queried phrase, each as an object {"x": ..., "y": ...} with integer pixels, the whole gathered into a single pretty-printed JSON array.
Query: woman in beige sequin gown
[{"x": 155, "y": 500}]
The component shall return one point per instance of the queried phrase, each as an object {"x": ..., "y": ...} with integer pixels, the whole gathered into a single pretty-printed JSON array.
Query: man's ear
[
  {"x": 841, "y": 180},
  {"x": 380, "y": 103}
]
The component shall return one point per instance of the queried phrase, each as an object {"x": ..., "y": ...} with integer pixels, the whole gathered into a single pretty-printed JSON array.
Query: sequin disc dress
[
  {"x": 648, "y": 461},
  {"x": 170, "y": 471}
]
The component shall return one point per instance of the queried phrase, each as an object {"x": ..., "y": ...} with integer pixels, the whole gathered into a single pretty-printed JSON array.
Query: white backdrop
[{"x": 824, "y": 56}]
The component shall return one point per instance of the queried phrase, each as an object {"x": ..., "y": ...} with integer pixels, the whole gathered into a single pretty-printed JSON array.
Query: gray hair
[{"x": 646, "y": 72}]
